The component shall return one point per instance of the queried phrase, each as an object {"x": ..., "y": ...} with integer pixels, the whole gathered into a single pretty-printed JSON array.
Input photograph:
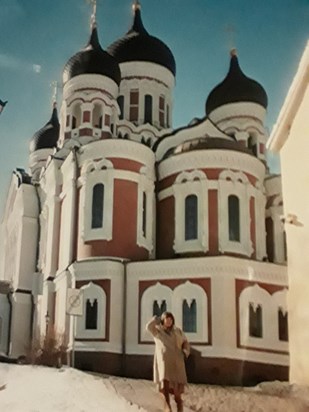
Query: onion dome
[
  {"x": 236, "y": 87},
  {"x": 138, "y": 45},
  {"x": 92, "y": 60},
  {"x": 47, "y": 137}
]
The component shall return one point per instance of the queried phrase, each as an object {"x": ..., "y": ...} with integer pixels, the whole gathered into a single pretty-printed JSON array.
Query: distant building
[
  {"x": 290, "y": 137},
  {"x": 146, "y": 218}
]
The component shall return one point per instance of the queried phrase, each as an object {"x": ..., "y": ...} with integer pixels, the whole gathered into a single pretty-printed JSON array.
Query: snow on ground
[{"x": 36, "y": 389}]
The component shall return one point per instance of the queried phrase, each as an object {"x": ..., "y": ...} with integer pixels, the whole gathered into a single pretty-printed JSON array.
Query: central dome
[
  {"x": 92, "y": 60},
  {"x": 138, "y": 45}
]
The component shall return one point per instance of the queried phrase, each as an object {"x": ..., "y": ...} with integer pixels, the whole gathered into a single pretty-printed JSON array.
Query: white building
[
  {"x": 144, "y": 218},
  {"x": 290, "y": 138}
]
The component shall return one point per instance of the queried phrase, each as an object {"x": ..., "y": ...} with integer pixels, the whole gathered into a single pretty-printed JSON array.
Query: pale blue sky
[{"x": 38, "y": 37}]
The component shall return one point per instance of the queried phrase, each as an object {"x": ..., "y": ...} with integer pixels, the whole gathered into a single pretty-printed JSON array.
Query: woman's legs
[
  {"x": 177, "y": 395},
  {"x": 165, "y": 390}
]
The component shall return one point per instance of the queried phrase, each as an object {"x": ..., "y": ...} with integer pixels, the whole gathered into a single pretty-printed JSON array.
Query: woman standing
[{"x": 169, "y": 366}]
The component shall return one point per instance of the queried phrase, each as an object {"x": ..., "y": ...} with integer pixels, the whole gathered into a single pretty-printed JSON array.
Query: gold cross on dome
[
  {"x": 94, "y": 10},
  {"x": 55, "y": 87},
  {"x": 136, "y": 5}
]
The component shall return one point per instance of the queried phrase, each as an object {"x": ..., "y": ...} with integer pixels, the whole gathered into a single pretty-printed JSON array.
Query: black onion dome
[
  {"x": 92, "y": 60},
  {"x": 47, "y": 137},
  {"x": 236, "y": 87},
  {"x": 138, "y": 45}
]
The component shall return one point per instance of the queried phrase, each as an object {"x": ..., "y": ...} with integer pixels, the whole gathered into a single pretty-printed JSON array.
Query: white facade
[{"x": 290, "y": 138}]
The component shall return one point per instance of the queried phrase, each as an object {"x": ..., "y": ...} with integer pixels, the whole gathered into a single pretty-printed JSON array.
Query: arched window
[
  {"x": 120, "y": 101},
  {"x": 191, "y": 217},
  {"x": 161, "y": 110},
  {"x": 189, "y": 316},
  {"x": 255, "y": 321},
  {"x": 76, "y": 116},
  {"x": 144, "y": 222},
  {"x": 97, "y": 116},
  {"x": 252, "y": 145},
  {"x": 97, "y": 206},
  {"x": 91, "y": 320},
  {"x": 148, "y": 109},
  {"x": 134, "y": 101},
  {"x": 234, "y": 218},
  {"x": 270, "y": 239},
  {"x": 283, "y": 325},
  {"x": 158, "y": 309}
]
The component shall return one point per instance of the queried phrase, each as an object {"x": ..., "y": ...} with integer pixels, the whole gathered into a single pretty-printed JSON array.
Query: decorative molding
[{"x": 225, "y": 159}]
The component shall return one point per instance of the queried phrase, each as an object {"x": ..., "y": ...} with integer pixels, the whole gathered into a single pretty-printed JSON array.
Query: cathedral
[{"x": 140, "y": 217}]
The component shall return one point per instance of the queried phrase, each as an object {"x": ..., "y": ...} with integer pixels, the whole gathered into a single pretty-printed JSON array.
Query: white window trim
[
  {"x": 157, "y": 292},
  {"x": 189, "y": 291},
  {"x": 92, "y": 291},
  {"x": 174, "y": 298},
  {"x": 237, "y": 185},
  {"x": 185, "y": 185},
  {"x": 92, "y": 174},
  {"x": 145, "y": 185},
  {"x": 270, "y": 305}
]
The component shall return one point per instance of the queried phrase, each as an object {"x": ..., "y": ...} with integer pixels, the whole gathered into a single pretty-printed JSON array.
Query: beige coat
[{"x": 171, "y": 347}]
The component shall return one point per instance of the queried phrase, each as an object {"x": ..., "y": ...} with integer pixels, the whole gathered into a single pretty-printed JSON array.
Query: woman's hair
[{"x": 167, "y": 315}]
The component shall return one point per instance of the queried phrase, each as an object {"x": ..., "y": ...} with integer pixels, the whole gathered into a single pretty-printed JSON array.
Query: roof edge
[{"x": 294, "y": 97}]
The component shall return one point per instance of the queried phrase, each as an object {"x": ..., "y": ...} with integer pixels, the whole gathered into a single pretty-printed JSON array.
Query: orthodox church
[{"x": 143, "y": 218}]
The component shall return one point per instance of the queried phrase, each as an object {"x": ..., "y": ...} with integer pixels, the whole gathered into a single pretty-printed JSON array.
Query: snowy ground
[{"x": 36, "y": 389}]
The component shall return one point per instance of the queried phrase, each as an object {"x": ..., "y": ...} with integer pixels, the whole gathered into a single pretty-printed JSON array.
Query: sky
[
  {"x": 37, "y": 388},
  {"x": 39, "y": 36}
]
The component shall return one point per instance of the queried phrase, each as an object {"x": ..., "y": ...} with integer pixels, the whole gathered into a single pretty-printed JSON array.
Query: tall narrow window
[
  {"x": 167, "y": 116},
  {"x": 252, "y": 145},
  {"x": 189, "y": 316},
  {"x": 148, "y": 109},
  {"x": 270, "y": 239},
  {"x": 234, "y": 218},
  {"x": 144, "y": 223},
  {"x": 255, "y": 321},
  {"x": 97, "y": 206},
  {"x": 285, "y": 249},
  {"x": 97, "y": 116},
  {"x": 76, "y": 117},
  {"x": 134, "y": 99},
  {"x": 283, "y": 325},
  {"x": 157, "y": 309},
  {"x": 120, "y": 101},
  {"x": 191, "y": 217},
  {"x": 161, "y": 110},
  {"x": 91, "y": 321}
]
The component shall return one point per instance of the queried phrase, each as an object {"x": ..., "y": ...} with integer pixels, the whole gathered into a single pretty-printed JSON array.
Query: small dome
[
  {"x": 236, "y": 87},
  {"x": 138, "y": 45},
  {"x": 47, "y": 137},
  {"x": 92, "y": 60}
]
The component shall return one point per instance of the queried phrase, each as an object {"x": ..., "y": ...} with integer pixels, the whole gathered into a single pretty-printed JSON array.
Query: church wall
[
  {"x": 127, "y": 177},
  {"x": 225, "y": 307},
  {"x": 100, "y": 349},
  {"x": 20, "y": 324},
  {"x": 192, "y": 178}
]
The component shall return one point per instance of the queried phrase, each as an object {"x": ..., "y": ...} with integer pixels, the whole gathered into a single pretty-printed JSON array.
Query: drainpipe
[{"x": 9, "y": 344}]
